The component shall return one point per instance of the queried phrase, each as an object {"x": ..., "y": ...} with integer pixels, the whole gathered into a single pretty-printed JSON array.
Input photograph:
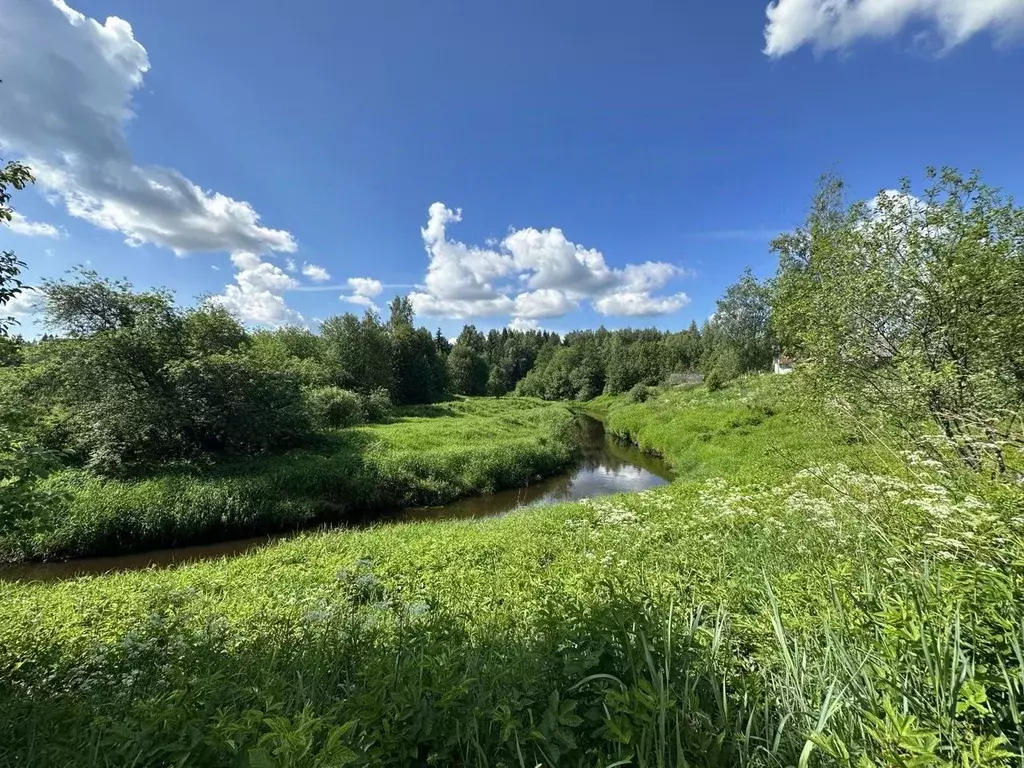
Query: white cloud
[
  {"x": 290, "y": 265},
  {"x": 551, "y": 261},
  {"x": 21, "y": 226},
  {"x": 355, "y": 298},
  {"x": 458, "y": 272},
  {"x": 640, "y": 304},
  {"x": 836, "y": 24},
  {"x": 520, "y": 324},
  {"x": 315, "y": 273},
  {"x": 461, "y": 309},
  {"x": 256, "y": 296},
  {"x": 365, "y": 286},
  {"x": 24, "y": 305},
  {"x": 546, "y": 302},
  {"x": 364, "y": 289},
  {"x": 68, "y": 88},
  {"x": 465, "y": 281}
]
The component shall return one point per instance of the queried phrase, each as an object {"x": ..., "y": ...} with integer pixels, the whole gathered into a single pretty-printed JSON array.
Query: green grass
[
  {"x": 757, "y": 428},
  {"x": 427, "y": 455},
  {"x": 853, "y": 612}
]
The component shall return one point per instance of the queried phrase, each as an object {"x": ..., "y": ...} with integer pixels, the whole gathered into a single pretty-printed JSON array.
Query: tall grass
[
  {"x": 837, "y": 615},
  {"x": 426, "y": 456}
]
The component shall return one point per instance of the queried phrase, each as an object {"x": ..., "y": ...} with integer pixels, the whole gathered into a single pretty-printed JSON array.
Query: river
[{"x": 605, "y": 466}]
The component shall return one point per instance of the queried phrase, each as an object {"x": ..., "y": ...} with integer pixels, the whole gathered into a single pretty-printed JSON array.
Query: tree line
[{"x": 909, "y": 308}]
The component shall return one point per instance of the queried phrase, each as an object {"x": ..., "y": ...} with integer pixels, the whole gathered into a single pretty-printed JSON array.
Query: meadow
[
  {"x": 426, "y": 455},
  {"x": 799, "y": 596}
]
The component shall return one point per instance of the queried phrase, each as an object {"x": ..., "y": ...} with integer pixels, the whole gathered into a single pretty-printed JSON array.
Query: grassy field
[
  {"x": 427, "y": 455},
  {"x": 797, "y": 597}
]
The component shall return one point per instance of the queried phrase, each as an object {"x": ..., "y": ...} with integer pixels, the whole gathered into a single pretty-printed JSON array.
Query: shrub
[
  {"x": 232, "y": 404},
  {"x": 23, "y": 501},
  {"x": 639, "y": 393},
  {"x": 723, "y": 367},
  {"x": 378, "y": 406},
  {"x": 333, "y": 407}
]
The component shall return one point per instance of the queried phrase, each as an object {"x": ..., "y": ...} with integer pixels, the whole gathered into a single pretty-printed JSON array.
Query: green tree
[
  {"x": 13, "y": 176},
  {"x": 211, "y": 329},
  {"x": 138, "y": 381},
  {"x": 22, "y": 462},
  {"x": 472, "y": 338},
  {"x": 496, "y": 382},
  {"x": 911, "y": 307},
  {"x": 361, "y": 348},
  {"x": 743, "y": 321},
  {"x": 419, "y": 374},
  {"x": 467, "y": 371}
]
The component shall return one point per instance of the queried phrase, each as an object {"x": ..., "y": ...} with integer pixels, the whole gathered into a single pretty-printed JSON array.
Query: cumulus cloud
[
  {"x": 24, "y": 305},
  {"x": 67, "y": 99},
  {"x": 836, "y": 24},
  {"x": 21, "y": 226},
  {"x": 315, "y": 273},
  {"x": 458, "y": 272},
  {"x": 521, "y": 324},
  {"x": 531, "y": 274},
  {"x": 640, "y": 304},
  {"x": 257, "y": 293},
  {"x": 547, "y": 302},
  {"x": 364, "y": 290}
]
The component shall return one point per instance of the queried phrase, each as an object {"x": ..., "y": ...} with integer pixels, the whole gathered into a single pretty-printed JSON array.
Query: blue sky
[{"x": 613, "y": 163}]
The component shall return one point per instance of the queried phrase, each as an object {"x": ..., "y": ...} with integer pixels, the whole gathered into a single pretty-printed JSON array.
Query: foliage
[
  {"x": 829, "y": 616},
  {"x": 419, "y": 459},
  {"x": 360, "y": 350},
  {"x": 236, "y": 407},
  {"x": 634, "y": 361},
  {"x": 138, "y": 381},
  {"x": 377, "y": 405},
  {"x": 495, "y": 383},
  {"x": 742, "y": 322},
  {"x": 910, "y": 309},
  {"x": 24, "y": 505},
  {"x": 724, "y": 365},
  {"x": 467, "y": 371},
  {"x": 419, "y": 369},
  {"x": 639, "y": 393},
  {"x": 14, "y": 176},
  {"x": 334, "y": 408}
]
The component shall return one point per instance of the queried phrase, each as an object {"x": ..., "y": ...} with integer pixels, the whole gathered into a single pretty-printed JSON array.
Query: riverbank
[
  {"x": 426, "y": 456},
  {"x": 763, "y": 616},
  {"x": 758, "y": 429}
]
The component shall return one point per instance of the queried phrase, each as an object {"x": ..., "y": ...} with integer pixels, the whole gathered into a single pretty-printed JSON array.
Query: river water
[{"x": 605, "y": 466}]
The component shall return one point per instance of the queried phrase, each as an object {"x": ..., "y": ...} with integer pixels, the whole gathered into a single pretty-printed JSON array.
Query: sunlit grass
[
  {"x": 849, "y": 612},
  {"x": 427, "y": 455}
]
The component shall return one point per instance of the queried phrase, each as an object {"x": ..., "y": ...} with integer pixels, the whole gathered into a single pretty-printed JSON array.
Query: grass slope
[
  {"x": 427, "y": 455},
  {"x": 842, "y": 614}
]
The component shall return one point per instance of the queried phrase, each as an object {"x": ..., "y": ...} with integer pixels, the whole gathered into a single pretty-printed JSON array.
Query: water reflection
[{"x": 606, "y": 466}]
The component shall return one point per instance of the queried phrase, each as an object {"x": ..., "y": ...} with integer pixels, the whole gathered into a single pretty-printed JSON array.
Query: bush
[
  {"x": 639, "y": 393},
  {"x": 723, "y": 367},
  {"x": 233, "y": 405},
  {"x": 22, "y": 465},
  {"x": 334, "y": 408},
  {"x": 714, "y": 380},
  {"x": 378, "y": 406}
]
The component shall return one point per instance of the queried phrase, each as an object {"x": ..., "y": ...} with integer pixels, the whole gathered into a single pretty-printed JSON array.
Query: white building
[{"x": 783, "y": 364}]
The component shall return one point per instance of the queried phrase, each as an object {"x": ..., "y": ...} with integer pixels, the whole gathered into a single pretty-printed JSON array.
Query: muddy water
[{"x": 606, "y": 466}]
